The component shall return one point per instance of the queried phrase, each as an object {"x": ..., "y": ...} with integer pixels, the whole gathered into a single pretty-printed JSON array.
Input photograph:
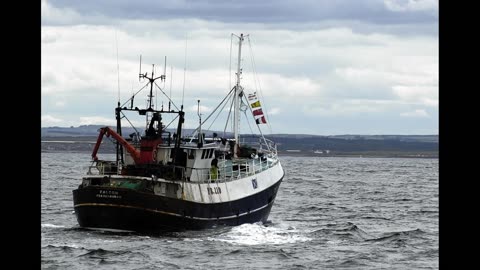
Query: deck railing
[{"x": 230, "y": 171}]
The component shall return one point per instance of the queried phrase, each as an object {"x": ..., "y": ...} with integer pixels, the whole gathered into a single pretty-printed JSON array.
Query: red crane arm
[{"x": 130, "y": 149}]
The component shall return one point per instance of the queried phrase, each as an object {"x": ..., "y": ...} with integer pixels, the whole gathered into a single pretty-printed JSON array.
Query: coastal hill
[{"x": 83, "y": 138}]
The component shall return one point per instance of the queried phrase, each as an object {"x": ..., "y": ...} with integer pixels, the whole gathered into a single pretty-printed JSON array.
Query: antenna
[
  {"x": 151, "y": 87},
  {"x": 198, "y": 110},
  {"x": 164, "y": 72},
  {"x": 164, "y": 79},
  {"x": 184, "y": 69},
  {"x": 171, "y": 77},
  {"x": 156, "y": 94},
  {"x": 140, "y": 72},
  {"x": 200, "y": 135},
  {"x": 131, "y": 100},
  {"x": 118, "y": 68}
]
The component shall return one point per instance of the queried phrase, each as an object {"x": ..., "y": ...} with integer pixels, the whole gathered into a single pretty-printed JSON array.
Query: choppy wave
[
  {"x": 333, "y": 213},
  {"x": 64, "y": 247},
  {"x": 399, "y": 235},
  {"x": 100, "y": 253}
]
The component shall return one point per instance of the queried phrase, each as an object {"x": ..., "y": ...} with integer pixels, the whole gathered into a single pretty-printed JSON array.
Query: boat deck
[{"x": 230, "y": 170}]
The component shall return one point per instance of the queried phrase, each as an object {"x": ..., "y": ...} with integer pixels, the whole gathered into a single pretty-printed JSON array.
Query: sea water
[{"x": 330, "y": 212}]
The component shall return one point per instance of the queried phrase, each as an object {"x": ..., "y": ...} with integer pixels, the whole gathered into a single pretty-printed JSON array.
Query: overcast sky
[{"x": 322, "y": 67}]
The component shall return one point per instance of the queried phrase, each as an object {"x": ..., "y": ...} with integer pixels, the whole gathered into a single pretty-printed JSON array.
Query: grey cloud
[{"x": 251, "y": 11}]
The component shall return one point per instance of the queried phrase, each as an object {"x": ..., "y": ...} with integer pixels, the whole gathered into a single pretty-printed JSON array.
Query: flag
[
  {"x": 252, "y": 96},
  {"x": 255, "y": 104},
  {"x": 257, "y": 112},
  {"x": 261, "y": 120}
]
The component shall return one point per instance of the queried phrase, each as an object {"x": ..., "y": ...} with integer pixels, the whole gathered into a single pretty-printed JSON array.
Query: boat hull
[{"x": 128, "y": 209}]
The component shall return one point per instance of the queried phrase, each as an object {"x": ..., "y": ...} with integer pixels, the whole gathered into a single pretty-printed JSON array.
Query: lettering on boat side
[
  {"x": 112, "y": 194},
  {"x": 254, "y": 183},
  {"x": 215, "y": 190}
]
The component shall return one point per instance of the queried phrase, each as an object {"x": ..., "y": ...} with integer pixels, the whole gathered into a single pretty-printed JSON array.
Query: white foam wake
[
  {"x": 257, "y": 234},
  {"x": 47, "y": 225}
]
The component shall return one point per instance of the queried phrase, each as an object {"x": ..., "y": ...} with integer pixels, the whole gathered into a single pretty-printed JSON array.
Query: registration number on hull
[{"x": 214, "y": 190}]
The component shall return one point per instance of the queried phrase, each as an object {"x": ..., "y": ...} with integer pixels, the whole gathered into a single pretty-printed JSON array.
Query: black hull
[{"x": 127, "y": 209}]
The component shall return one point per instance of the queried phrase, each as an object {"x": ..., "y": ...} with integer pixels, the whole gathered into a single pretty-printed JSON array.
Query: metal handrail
[{"x": 225, "y": 172}]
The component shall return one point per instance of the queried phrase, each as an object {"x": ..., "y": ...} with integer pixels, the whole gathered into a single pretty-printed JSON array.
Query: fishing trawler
[{"x": 161, "y": 181}]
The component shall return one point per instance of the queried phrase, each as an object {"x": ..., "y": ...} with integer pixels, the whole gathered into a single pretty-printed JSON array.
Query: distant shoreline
[
  {"x": 301, "y": 147},
  {"x": 362, "y": 156},
  {"x": 281, "y": 154}
]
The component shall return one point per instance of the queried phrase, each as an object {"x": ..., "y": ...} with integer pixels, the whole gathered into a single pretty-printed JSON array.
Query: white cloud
[
  {"x": 96, "y": 120},
  {"x": 60, "y": 103},
  {"x": 415, "y": 113},
  {"x": 425, "y": 95},
  {"x": 203, "y": 109},
  {"x": 274, "y": 111},
  {"x": 48, "y": 120},
  {"x": 288, "y": 86},
  {"x": 49, "y": 37},
  {"x": 349, "y": 107},
  {"x": 332, "y": 70}
]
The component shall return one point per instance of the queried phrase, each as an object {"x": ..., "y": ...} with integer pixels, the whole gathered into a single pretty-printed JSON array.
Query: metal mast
[
  {"x": 151, "y": 80},
  {"x": 237, "y": 98}
]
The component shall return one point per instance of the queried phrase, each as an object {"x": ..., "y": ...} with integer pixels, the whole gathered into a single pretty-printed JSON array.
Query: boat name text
[{"x": 108, "y": 194}]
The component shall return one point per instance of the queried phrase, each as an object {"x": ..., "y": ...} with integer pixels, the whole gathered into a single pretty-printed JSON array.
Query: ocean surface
[{"x": 330, "y": 213}]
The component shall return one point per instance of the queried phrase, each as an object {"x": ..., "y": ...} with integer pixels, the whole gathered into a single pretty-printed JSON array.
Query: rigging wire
[
  {"x": 228, "y": 118},
  {"x": 257, "y": 79},
  {"x": 220, "y": 111},
  {"x": 134, "y": 94},
  {"x": 250, "y": 127},
  {"x": 230, "y": 65},
  {"x": 171, "y": 121},
  {"x": 124, "y": 116},
  {"x": 165, "y": 95},
  {"x": 259, "y": 129},
  {"x": 208, "y": 117}
]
